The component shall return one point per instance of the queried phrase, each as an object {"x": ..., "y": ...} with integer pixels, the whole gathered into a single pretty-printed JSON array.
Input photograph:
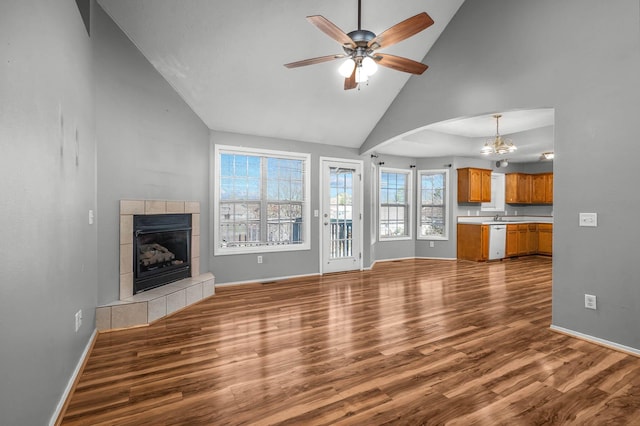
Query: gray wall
[
  {"x": 239, "y": 268},
  {"x": 150, "y": 144},
  {"x": 581, "y": 57},
  {"x": 48, "y": 249}
]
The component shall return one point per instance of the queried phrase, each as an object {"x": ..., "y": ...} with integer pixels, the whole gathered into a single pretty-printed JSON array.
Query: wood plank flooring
[{"x": 410, "y": 342}]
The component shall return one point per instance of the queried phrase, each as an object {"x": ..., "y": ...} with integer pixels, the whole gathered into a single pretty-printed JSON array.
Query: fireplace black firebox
[{"x": 161, "y": 250}]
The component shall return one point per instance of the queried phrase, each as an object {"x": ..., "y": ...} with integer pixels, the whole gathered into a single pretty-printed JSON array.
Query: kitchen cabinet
[
  {"x": 545, "y": 238},
  {"x": 511, "y": 248},
  {"x": 533, "y": 238},
  {"x": 474, "y": 185},
  {"x": 517, "y": 188},
  {"x": 522, "y": 239},
  {"x": 473, "y": 242},
  {"x": 542, "y": 188},
  {"x": 524, "y": 188}
]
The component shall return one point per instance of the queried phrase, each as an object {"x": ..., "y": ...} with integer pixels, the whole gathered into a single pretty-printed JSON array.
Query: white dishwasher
[{"x": 497, "y": 241}]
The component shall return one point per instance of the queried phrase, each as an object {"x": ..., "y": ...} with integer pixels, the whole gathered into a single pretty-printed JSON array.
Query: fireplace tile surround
[{"x": 143, "y": 308}]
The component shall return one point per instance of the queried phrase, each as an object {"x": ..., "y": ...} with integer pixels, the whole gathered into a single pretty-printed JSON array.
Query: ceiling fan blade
[
  {"x": 330, "y": 29},
  {"x": 313, "y": 61},
  {"x": 399, "y": 63},
  {"x": 350, "y": 82},
  {"x": 402, "y": 31}
]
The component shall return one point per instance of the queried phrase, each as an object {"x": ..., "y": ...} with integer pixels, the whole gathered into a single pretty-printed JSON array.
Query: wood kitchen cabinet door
[
  {"x": 533, "y": 238},
  {"x": 473, "y": 242},
  {"x": 524, "y": 188},
  {"x": 511, "y": 248},
  {"x": 545, "y": 238},
  {"x": 549, "y": 189},
  {"x": 474, "y": 185},
  {"x": 523, "y": 239},
  {"x": 517, "y": 188},
  {"x": 542, "y": 188}
]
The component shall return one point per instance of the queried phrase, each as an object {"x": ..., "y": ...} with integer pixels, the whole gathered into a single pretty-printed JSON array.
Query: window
[
  {"x": 395, "y": 204},
  {"x": 433, "y": 190},
  {"x": 261, "y": 201}
]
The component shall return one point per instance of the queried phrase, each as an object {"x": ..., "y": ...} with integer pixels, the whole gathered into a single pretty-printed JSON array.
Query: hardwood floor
[{"x": 411, "y": 342}]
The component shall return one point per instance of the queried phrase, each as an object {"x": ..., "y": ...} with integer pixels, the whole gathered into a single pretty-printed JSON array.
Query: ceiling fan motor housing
[{"x": 361, "y": 39}]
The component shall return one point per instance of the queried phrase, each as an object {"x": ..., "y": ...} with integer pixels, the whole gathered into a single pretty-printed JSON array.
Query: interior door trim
[{"x": 321, "y": 192}]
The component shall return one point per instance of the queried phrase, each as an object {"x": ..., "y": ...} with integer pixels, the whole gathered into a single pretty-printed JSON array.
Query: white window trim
[
  {"x": 447, "y": 205},
  {"x": 410, "y": 209},
  {"x": 306, "y": 208}
]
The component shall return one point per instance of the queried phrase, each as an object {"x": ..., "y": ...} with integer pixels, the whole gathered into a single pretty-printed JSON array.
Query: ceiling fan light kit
[
  {"x": 498, "y": 145},
  {"x": 360, "y": 48}
]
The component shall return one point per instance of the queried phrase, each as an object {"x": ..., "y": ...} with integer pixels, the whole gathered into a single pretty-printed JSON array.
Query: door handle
[{"x": 326, "y": 223}]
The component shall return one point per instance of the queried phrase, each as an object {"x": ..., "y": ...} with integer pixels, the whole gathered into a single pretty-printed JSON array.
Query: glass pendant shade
[
  {"x": 347, "y": 68},
  {"x": 369, "y": 66}
]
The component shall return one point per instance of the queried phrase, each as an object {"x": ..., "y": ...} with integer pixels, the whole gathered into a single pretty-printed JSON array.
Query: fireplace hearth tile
[
  {"x": 103, "y": 318},
  {"x": 128, "y": 315},
  {"x": 195, "y": 246},
  {"x": 194, "y": 294},
  {"x": 154, "y": 304},
  {"x": 126, "y": 285},
  {"x": 157, "y": 308},
  {"x": 126, "y": 228},
  {"x": 176, "y": 301},
  {"x": 192, "y": 207},
  {"x": 208, "y": 288},
  {"x": 131, "y": 207},
  {"x": 155, "y": 207},
  {"x": 126, "y": 258},
  {"x": 195, "y": 266},
  {"x": 175, "y": 206},
  {"x": 195, "y": 224}
]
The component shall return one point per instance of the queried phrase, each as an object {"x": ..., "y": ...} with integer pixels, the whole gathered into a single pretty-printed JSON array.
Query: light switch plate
[{"x": 589, "y": 219}]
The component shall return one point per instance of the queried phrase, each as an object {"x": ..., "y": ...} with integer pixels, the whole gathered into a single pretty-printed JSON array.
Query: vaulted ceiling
[{"x": 225, "y": 59}]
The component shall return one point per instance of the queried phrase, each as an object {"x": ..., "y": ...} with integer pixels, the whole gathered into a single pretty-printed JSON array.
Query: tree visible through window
[
  {"x": 395, "y": 203},
  {"x": 261, "y": 201},
  {"x": 433, "y": 193}
]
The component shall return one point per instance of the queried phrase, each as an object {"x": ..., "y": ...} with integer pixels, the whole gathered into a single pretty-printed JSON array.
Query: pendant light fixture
[{"x": 498, "y": 145}]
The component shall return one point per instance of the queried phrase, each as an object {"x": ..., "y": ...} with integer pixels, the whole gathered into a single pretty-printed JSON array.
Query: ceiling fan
[{"x": 360, "y": 48}]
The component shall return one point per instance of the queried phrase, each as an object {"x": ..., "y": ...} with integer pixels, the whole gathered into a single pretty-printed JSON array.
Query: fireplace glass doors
[{"x": 161, "y": 250}]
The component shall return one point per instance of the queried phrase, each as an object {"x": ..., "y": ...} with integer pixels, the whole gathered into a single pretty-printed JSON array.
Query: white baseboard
[
  {"x": 266, "y": 280},
  {"x": 437, "y": 258},
  {"x": 407, "y": 258},
  {"x": 597, "y": 340},
  {"x": 73, "y": 378}
]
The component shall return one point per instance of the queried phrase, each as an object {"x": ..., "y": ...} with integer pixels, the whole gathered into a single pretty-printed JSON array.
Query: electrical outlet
[
  {"x": 588, "y": 219},
  {"x": 259, "y": 259},
  {"x": 432, "y": 244},
  {"x": 590, "y": 301}
]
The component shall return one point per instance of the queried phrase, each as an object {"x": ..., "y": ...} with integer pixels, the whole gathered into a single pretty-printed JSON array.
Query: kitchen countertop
[{"x": 507, "y": 220}]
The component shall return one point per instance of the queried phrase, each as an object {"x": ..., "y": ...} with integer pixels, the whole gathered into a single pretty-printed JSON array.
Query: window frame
[
  {"x": 408, "y": 205},
  {"x": 446, "y": 205},
  {"x": 219, "y": 250}
]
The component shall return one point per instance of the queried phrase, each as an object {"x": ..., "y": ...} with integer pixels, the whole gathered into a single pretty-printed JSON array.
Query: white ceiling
[
  {"x": 531, "y": 130},
  {"x": 225, "y": 58}
]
